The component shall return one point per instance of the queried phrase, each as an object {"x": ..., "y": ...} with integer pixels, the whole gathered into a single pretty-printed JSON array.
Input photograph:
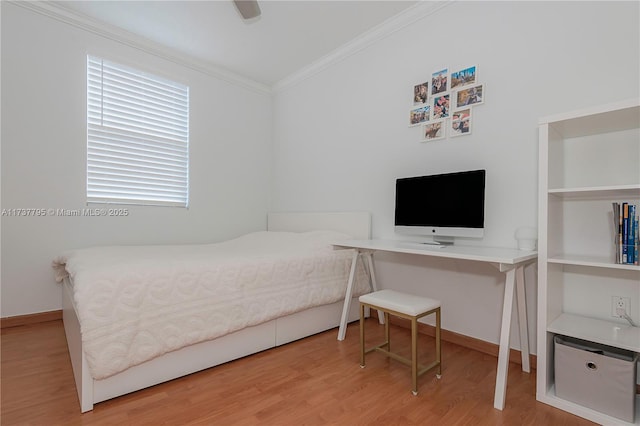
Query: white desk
[{"x": 509, "y": 261}]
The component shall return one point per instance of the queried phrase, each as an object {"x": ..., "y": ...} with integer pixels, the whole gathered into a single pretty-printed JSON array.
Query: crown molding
[
  {"x": 59, "y": 12},
  {"x": 409, "y": 16},
  {"x": 63, "y": 14}
]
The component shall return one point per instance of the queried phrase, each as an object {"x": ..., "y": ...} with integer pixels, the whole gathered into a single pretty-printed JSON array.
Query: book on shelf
[
  {"x": 625, "y": 232},
  {"x": 636, "y": 239},
  {"x": 626, "y": 236},
  {"x": 632, "y": 241},
  {"x": 617, "y": 230}
]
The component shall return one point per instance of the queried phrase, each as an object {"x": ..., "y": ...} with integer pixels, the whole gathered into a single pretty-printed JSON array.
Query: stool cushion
[{"x": 404, "y": 303}]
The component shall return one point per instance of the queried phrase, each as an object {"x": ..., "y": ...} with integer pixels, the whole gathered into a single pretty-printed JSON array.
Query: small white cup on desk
[{"x": 527, "y": 237}]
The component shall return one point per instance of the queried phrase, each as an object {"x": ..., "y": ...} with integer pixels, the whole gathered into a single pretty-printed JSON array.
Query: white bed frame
[{"x": 227, "y": 348}]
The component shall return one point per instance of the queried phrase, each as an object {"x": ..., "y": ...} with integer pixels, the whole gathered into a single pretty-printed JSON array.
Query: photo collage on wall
[{"x": 443, "y": 105}]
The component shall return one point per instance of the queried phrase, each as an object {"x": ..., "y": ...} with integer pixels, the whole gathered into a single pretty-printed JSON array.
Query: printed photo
[
  {"x": 471, "y": 96},
  {"x": 439, "y": 81},
  {"x": 420, "y": 94},
  {"x": 419, "y": 115},
  {"x": 461, "y": 122},
  {"x": 433, "y": 131},
  {"x": 441, "y": 107},
  {"x": 463, "y": 77}
]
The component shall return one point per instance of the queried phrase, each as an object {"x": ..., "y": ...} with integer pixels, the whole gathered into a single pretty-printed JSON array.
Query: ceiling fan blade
[{"x": 249, "y": 9}]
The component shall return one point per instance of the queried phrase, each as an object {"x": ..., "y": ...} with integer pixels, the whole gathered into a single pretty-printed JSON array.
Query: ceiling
[{"x": 288, "y": 36}]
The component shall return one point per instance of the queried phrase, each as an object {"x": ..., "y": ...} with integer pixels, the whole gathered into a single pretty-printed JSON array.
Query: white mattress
[{"x": 135, "y": 303}]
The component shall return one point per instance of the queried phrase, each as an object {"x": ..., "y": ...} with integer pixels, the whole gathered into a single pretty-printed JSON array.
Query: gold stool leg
[
  {"x": 361, "y": 335},
  {"x": 438, "y": 345},
  {"x": 414, "y": 354},
  {"x": 387, "y": 335}
]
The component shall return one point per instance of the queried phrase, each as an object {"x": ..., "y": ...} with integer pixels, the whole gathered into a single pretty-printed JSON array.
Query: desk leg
[
  {"x": 522, "y": 319},
  {"x": 374, "y": 284},
  {"x": 342, "y": 331},
  {"x": 503, "y": 354}
]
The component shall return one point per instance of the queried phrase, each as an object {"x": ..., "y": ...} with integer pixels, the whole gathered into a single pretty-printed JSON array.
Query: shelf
[
  {"x": 593, "y": 261},
  {"x": 598, "y": 192},
  {"x": 588, "y": 160},
  {"x": 609, "y": 333},
  {"x": 595, "y": 416},
  {"x": 601, "y": 119}
]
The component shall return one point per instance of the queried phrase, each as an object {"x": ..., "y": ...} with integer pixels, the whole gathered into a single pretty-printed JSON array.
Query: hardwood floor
[{"x": 314, "y": 381}]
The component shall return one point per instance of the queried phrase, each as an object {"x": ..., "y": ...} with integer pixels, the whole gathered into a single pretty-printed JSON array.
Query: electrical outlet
[{"x": 620, "y": 306}]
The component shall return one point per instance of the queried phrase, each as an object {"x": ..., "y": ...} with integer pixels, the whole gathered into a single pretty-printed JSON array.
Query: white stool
[{"x": 404, "y": 306}]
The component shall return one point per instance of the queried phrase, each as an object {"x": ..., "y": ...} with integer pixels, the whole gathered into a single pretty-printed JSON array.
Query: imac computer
[{"x": 443, "y": 206}]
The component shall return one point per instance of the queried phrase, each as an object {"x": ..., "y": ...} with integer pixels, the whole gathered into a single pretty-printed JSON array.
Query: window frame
[{"x": 137, "y": 137}]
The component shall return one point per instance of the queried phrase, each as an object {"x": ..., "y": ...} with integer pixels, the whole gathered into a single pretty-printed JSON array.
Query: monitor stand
[{"x": 440, "y": 241}]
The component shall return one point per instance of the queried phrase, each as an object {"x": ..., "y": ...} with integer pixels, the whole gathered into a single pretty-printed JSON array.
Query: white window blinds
[{"x": 137, "y": 137}]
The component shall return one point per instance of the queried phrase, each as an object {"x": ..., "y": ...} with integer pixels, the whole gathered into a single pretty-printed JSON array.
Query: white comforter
[{"x": 138, "y": 302}]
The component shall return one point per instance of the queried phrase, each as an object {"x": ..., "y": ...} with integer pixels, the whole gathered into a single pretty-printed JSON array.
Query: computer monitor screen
[{"x": 443, "y": 206}]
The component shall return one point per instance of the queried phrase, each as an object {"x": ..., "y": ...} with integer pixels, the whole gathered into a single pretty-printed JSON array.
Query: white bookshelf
[{"x": 588, "y": 159}]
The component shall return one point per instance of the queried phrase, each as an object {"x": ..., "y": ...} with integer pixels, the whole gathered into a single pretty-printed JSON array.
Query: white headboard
[{"x": 357, "y": 224}]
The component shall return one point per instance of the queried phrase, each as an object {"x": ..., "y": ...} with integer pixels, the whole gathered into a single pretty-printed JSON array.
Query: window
[{"x": 137, "y": 137}]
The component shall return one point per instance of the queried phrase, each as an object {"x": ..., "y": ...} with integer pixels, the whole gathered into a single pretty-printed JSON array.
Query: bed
[{"x": 98, "y": 356}]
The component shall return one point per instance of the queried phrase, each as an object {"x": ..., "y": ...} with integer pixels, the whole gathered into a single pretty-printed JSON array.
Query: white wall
[
  {"x": 44, "y": 150},
  {"x": 341, "y": 137}
]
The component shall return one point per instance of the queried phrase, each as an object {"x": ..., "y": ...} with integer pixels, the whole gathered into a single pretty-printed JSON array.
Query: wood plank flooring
[{"x": 314, "y": 381}]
